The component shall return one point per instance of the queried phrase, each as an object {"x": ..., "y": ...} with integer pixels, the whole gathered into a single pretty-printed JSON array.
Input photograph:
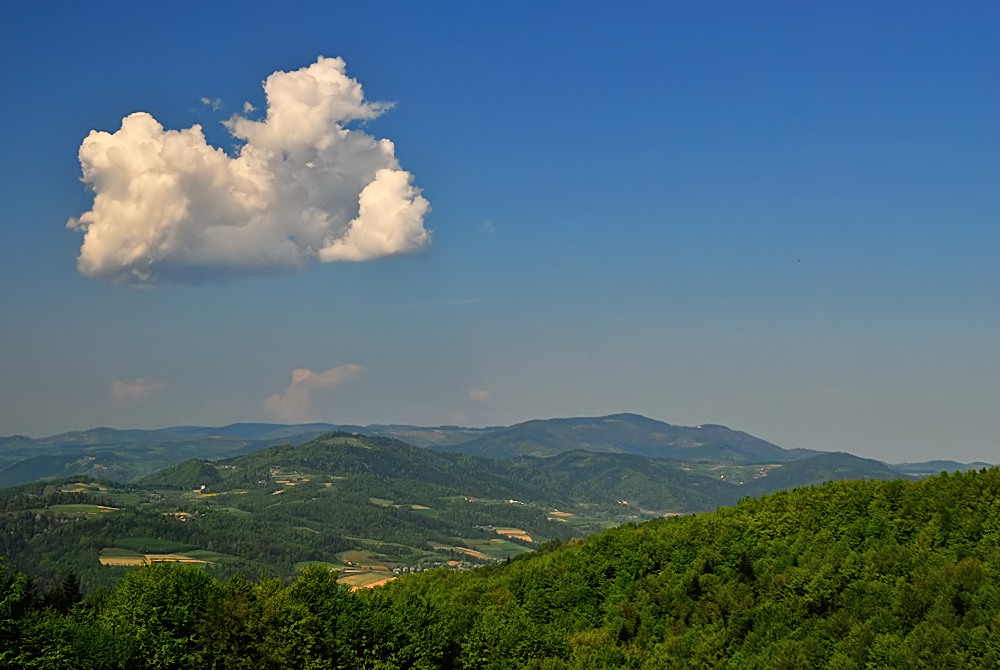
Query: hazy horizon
[{"x": 432, "y": 427}]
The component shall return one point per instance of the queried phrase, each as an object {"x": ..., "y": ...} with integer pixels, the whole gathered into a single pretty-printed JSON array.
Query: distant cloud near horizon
[
  {"x": 303, "y": 188},
  {"x": 293, "y": 405},
  {"x": 140, "y": 389},
  {"x": 480, "y": 395}
]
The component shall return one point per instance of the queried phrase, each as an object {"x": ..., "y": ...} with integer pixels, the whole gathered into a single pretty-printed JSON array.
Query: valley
[{"x": 372, "y": 507}]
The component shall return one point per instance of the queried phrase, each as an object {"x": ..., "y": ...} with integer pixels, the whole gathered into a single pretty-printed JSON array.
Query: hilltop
[{"x": 628, "y": 434}]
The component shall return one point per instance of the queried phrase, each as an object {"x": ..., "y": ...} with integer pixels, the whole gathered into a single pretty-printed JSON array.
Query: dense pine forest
[{"x": 851, "y": 574}]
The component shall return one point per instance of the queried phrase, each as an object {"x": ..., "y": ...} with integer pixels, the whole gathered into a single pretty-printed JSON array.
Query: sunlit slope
[
  {"x": 572, "y": 477},
  {"x": 849, "y": 575},
  {"x": 650, "y": 486}
]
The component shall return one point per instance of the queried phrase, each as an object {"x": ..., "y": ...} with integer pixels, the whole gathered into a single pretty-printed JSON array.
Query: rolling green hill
[
  {"x": 819, "y": 469},
  {"x": 402, "y": 507},
  {"x": 853, "y": 574},
  {"x": 126, "y": 455}
]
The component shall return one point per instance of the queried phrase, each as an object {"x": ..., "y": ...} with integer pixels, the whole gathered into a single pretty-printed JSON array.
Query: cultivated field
[
  {"x": 515, "y": 533},
  {"x": 125, "y": 557},
  {"x": 360, "y": 580}
]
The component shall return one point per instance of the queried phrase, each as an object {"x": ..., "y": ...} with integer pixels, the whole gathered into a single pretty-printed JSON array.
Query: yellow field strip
[{"x": 143, "y": 559}]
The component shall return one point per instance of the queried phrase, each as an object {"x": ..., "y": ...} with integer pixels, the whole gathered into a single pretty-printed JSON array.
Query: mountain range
[
  {"x": 128, "y": 455},
  {"x": 269, "y": 498}
]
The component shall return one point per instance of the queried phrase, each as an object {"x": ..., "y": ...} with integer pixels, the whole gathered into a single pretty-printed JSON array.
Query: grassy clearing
[
  {"x": 586, "y": 524},
  {"x": 83, "y": 487},
  {"x": 346, "y": 442},
  {"x": 389, "y": 554},
  {"x": 81, "y": 510},
  {"x": 442, "y": 553},
  {"x": 496, "y": 548},
  {"x": 381, "y": 502},
  {"x": 365, "y": 579},
  {"x": 292, "y": 478},
  {"x": 209, "y": 556},
  {"x": 733, "y": 473},
  {"x": 377, "y": 546},
  {"x": 357, "y": 556},
  {"x": 230, "y": 510},
  {"x": 125, "y": 498},
  {"x": 302, "y": 565},
  {"x": 367, "y": 559},
  {"x": 461, "y": 550}
]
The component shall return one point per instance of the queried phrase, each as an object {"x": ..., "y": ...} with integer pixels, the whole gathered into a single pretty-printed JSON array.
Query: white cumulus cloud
[
  {"x": 293, "y": 404},
  {"x": 304, "y": 186},
  {"x": 140, "y": 389}
]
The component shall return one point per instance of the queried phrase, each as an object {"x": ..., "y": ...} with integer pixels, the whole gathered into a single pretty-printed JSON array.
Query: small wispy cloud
[
  {"x": 140, "y": 389},
  {"x": 479, "y": 395},
  {"x": 294, "y": 404},
  {"x": 214, "y": 103},
  {"x": 247, "y": 108}
]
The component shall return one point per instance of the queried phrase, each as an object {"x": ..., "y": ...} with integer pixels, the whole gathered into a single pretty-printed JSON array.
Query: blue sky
[{"x": 781, "y": 217}]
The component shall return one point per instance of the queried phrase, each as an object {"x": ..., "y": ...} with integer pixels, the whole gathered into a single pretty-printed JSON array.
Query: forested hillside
[
  {"x": 851, "y": 574},
  {"x": 349, "y": 500}
]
